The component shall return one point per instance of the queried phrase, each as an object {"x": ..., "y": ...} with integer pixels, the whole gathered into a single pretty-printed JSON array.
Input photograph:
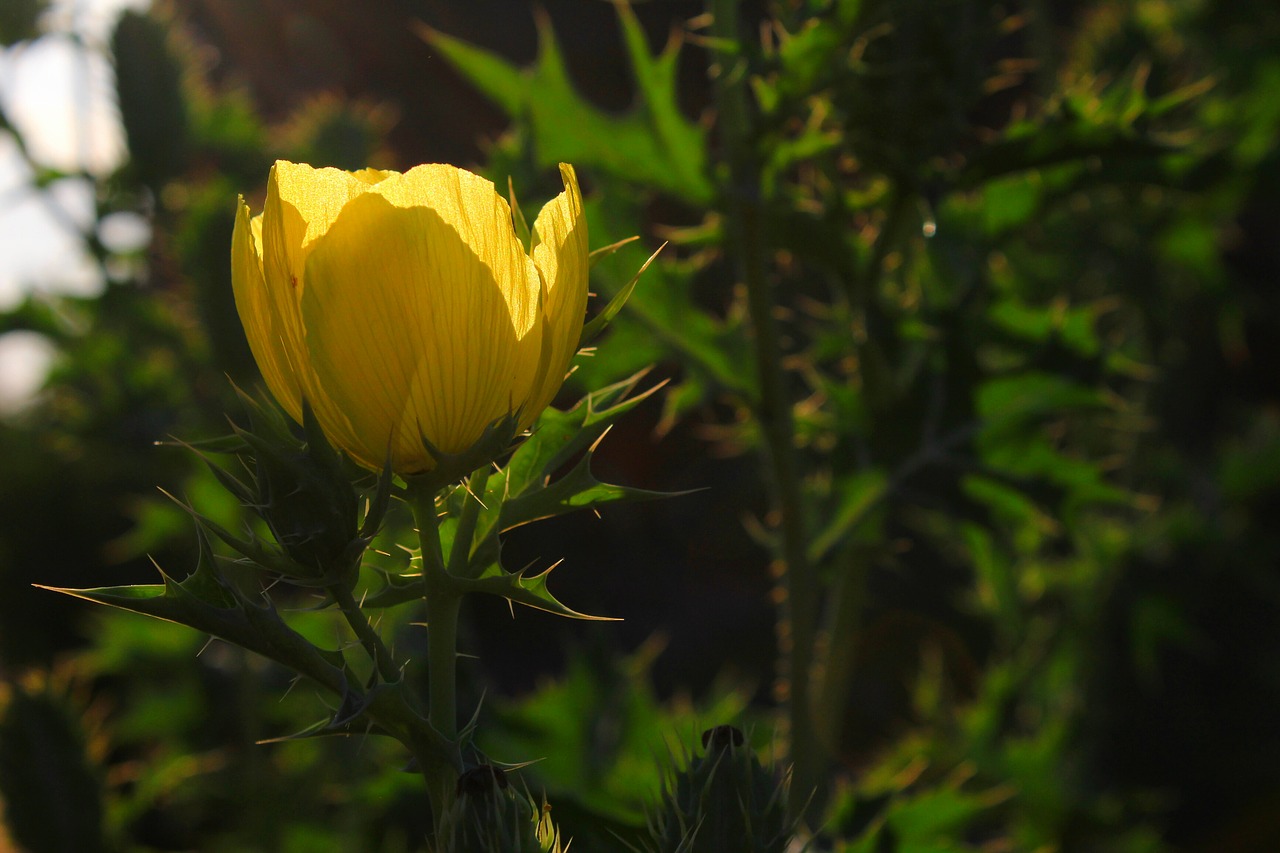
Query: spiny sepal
[
  {"x": 303, "y": 491},
  {"x": 494, "y": 442}
]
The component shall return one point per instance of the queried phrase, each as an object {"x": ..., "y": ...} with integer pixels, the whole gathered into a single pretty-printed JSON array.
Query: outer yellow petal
[
  {"x": 301, "y": 204},
  {"x": 415, "y": 316},
  {"x": 257, "y": 314},
  {"x": 561, "y": 255}
]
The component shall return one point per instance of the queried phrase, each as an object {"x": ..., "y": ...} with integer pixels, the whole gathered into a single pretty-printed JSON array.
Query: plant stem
[
  {"x": 797, "y": 626},
  {"x": 378, "y": 652},
  {"x": 443, "y": 600}
]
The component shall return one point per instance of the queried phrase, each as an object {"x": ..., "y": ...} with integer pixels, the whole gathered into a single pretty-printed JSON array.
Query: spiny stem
[
  {"x": 378, "y": 652},
  {"x": 797, "y": 627},
  {"x": 443, "y": 600}
]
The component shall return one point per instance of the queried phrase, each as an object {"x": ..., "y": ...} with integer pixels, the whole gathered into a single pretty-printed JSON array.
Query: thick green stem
[
  {"x": 797, "y": 626},
  {"x": 377, "y": 650},
  {"x": 443, "y": 600}
]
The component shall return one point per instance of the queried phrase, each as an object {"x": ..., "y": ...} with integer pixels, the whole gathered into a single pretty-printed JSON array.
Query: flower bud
[{"x": 403, "y": 309}]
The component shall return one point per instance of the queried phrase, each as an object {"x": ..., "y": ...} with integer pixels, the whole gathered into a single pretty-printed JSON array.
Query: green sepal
[
  {"x": 263, "y": 555},
  {"x": 378, "y": 503},
  {"x": 517, "y": 218},
  {"x": 523, "y": 588},
  {"x": 598, "y": 323},
  {"x": 452, "y": 467},
  {"x": 598, "y": 255}
]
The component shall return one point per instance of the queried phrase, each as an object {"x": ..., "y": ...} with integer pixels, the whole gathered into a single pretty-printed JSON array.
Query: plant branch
[
  {"x": 377, "y": 650},
  {"x": 773, "y": 409}
]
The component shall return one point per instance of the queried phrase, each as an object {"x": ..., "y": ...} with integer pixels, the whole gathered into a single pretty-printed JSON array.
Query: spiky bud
[
  {"x": 489, "y": 815},
  {"x": 724, "y": 801},
  {"x": 303, "y": 490}
]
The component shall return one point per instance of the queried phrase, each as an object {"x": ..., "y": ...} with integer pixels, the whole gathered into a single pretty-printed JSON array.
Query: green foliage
[
  {"x": 653, "y": 145},
  {"x": 1019, "y": 285},
  {"x": 595, "y": 737}
]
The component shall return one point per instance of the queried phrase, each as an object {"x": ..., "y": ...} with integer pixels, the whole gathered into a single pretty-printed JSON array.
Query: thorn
[
  {"x": 293, "y": 682},
  {"x": 596, "y": 443},
  {"x": 466, "y": 484}
]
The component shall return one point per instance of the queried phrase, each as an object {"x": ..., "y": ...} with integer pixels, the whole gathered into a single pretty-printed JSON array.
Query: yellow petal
[
  {"x": 561, "y": 255},
  {"x": 417, "y": 315},
  {"x": 301, "y": 204},
  {"x": 257, "y": 315}
]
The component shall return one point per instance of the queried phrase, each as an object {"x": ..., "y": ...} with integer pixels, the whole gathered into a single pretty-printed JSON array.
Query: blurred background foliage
[{"x": 1024, "y": 269}]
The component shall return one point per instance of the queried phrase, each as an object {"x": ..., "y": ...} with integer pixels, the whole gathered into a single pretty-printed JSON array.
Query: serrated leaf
[
  {"x": 523, "y": 588},
  {"x": 579, "y": 489},
  {"x": 652, "y": 145},
  {"x": 250, "y": 626},
  {"x": 561, "y": 435}
]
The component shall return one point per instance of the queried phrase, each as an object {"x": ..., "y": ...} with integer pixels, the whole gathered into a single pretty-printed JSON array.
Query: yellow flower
[{"x": 403, "y": 307}]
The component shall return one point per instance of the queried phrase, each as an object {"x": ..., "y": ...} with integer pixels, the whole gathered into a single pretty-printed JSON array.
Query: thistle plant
[
  {"x": 415, "y": 326},
  {"x": 723, "y": 801}
]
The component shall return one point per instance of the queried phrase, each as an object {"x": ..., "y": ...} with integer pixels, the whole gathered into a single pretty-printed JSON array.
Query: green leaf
[
  {"x": 653, "y": 145},
  {"x": 204, "y": 602},
  {"x": 579, "y": 489},
  {"x": 603, "y": 252},
  {"x": 598, "y": 729}
]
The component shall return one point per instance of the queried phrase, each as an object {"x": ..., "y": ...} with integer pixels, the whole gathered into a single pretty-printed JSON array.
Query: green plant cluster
[{"x": 978, "y": 299}]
